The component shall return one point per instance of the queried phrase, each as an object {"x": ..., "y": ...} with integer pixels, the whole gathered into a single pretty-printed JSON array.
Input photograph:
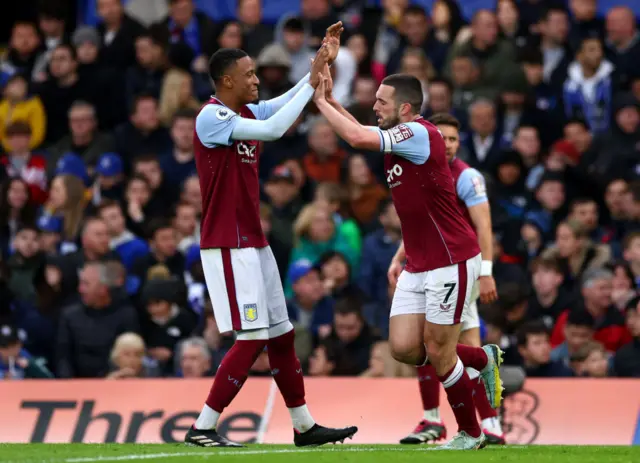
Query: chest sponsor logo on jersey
[
  {"x": 393, "y": 174},
  {"x": 248, "y": 152},
  {"x": 400, "y": 133}
]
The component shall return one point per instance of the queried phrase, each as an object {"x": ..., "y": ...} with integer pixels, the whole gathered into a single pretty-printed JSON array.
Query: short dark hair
[
  {"x": 529, "y": 329},
  {"x": 222, "y": 60},
  {"x": 139, "y": 98},
  {"x": 547, "y": 262},
  {"x": 553, "y": 9},
  {"x": 634, "y": 188},
  {"x": 69, "y": 47},
  {"x": 30, "y": 226},
  {"x": 18, "y": 128},
  {"x": 407, "y": 90},
  {"x": 579, "y": 121},
  {"x": 581, "y": 201},
  {"x": 589, "y": 38},
  {"x": 443, "y": 81},
  {"x": 629, "y": 238},
  {"x": 417, "y": 10},
  {"x": 445, "y": 119},
  {"x": 580, "y": 317},
  {"x": 185, "y": 113},
  {"x": 145, "y": 157},
  {"x": 157, "y": 224},
  {"x": 107, "y": 203},
  {"x": 349, "y": 305},
  {"x": 294, "y": 24}
]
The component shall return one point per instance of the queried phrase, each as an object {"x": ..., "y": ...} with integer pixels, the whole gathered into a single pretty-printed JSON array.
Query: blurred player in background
[
  {"x": 472, "y": 197},
  {"x": 442, "y": 253},
  {"x": 240, "y": 269}
]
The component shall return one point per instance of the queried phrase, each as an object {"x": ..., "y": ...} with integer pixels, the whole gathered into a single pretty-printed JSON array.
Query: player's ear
[{"x": 227, "y": 81}]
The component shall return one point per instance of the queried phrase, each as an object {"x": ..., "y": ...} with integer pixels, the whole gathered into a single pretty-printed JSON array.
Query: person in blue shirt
[
  {"x": 15, "y": 361},
  {"x": 179, "y": 164}
]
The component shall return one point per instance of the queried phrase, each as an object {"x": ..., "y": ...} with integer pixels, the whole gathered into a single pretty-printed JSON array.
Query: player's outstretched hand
[
  {"x": 332, "y": 40},
  {"x": 321, "y": 89},
  {"x": 488, "y": 292},
  {"x": 395, "y": 269},
  {"x": 317, "y": 66}
]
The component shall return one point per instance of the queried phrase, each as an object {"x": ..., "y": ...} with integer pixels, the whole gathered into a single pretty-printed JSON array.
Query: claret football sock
[
  {"x": 287, "y": 373},
  {"x": 231, "y": 375},
  {"x": 485, "y": 410},
  {"x": 474, "y": 357},
  {"x": 429, "y": 388},
  {"x": 459, "y": 391}
]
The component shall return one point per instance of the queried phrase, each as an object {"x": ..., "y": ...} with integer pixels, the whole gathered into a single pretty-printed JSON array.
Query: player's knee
[
  {"x": 404, "y": 351},
  {"x": 281, "y": 337}
]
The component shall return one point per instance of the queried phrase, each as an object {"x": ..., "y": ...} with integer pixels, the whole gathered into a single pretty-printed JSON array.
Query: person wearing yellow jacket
[{"x": 18, "y": 106}]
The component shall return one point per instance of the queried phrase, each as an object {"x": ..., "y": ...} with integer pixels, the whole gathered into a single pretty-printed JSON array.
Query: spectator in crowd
[
  {"x": 82, "y": 350},
  {"x": 191, "y": 193},
  {"x": 21, "y": 162},
  {"x": 324, "y": 162},
  {"x": 608, "y": 321},
  {"x": 292, "y": 36},
  {"x": 145, "y": 76},
  {"x": 514, "y": 110},
  {"x": 179, "y": 163},
  {"x": 165, "y": 322},
  {"x": 631, "y": 249},
  {"x": 509, "y": 195},
  {"x": 24, "y": 49},
  {"x": 624, "y": 283},
  {"x": 18, "y": 105},
  {"x": 15, "y": 361},
  {"x": 255, "y": 33},
  {"x": 586, "y": 22},
  {"x": 24, "y": 262},
  {"x": 440, "y": 98},
  {"x": 549, "y": 298},
  {"x": 550, "y": 196},
  {"x": 164, "y": 250},
  {"x": 352, "y": 333},
  {"x": 465, "y": 76},
  {"x": 60, "y": 91},
  {"x": 483, "y": 139},
  {"x": 535, "y": 349},
  {"x": 317, "y": 17},
  {"x": 417, "y": 33},
  {"x": 447, "y": 20},
  {"x": 337, "y": 277},
  {"x": 365, "y": 193},
  {"x": 194, "y": 358},
  {"x": 218, "y": 343},
  {"x": 626, "y": 362},
  {"x": 176, "y": 94},
  {"x": 316, "y": 232},
  {"x": 585, "y": 211},
  {"x": 526, "y": 141},
  {"x": 495, "y": 55},
  {"x": 290, "y": 148},
  {"x": 16, "y": 210},
  {"x": 383, "y": 365},
  {"x": 578, "y": 332},
  {"x": 509, "y": 25},
  {"x": 94, "y": 248},
  {"x": 109, "y": 182},
  {"x": 587, "y": 90},
  {"x": 591, "y": 360},
  {"x": 66, "y": 203},
  {"x": 84, "y": 139},
  {"x": 554, "y": 32},
  {"x": 623, "y": 46},
  {"x": 136, "y": 201},
  {"x": 283, "y": 195},
  {"x": 148, "y": 167},
  {"x": 126, "y": 245},
  {"x": 614, "y": 153},
  {"x": 128, "y": 358},
  {"x": 309, "y": 307},
  {"x": 185, "y": 25},
  {"x": 378, "y": 250},
  {"x": 328, "y": 359},
  {"x": 273, "y": 65},
  {"x": 142, "y": 133},
  {"x": 185, "y": 223},
  {"x": 118, "y": 32}
]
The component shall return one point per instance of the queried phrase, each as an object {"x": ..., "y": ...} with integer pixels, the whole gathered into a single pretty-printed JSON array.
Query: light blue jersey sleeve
[
  {"x": 215, "y": 124},
  {"x": 409, "y": 140},
  {"x": 265, "y": 109},
  {"x": 219, "y": 125},
  {"x": 471, "y": 187}
]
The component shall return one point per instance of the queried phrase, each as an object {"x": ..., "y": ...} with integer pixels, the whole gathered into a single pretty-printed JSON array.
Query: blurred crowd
[{"x": 100, "y": 272}]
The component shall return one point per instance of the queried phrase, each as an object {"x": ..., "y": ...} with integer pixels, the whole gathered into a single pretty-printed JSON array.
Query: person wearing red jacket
[
  {"x": 609, "y": 323},
  {"x": 21, "y": 162}
]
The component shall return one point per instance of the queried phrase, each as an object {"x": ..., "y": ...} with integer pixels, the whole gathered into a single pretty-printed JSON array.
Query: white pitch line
[{"x": 217, "y": 454}]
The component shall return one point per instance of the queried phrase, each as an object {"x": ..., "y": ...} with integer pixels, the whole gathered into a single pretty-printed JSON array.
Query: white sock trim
[
  {"x": 472, "y": 372},
  {"x": 301, "y": 418},
  {"x": 432, "y": 415},
  {"x": 208, "y": 418},
  {"x": 455, "y": 375}
]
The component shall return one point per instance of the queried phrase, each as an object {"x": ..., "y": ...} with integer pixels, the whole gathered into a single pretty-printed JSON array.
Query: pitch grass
[{"x": 174, "y": 453}]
